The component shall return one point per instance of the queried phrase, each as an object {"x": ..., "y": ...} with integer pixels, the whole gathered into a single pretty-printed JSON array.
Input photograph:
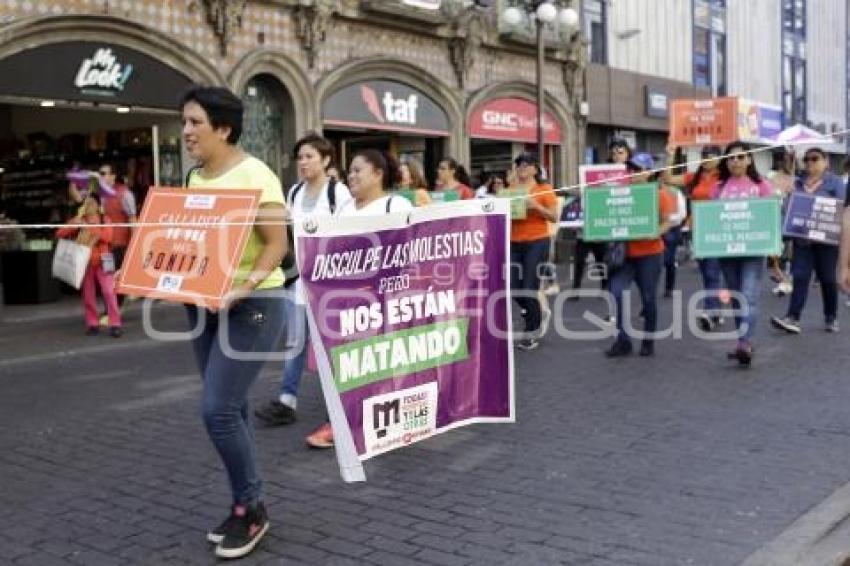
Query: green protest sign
[
  {"x": 621, "y": 213},
  {"x": 519, "y": 207},
  {"x": 447, "y": 195},
  {"x": 409, "y": 194},
  {"x": 737, "y": 228}
]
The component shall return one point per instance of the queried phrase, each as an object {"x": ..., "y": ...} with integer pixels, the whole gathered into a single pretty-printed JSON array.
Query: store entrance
[
  {"x": 39, "y": 146},
  {"x": 427, "y": 150}
]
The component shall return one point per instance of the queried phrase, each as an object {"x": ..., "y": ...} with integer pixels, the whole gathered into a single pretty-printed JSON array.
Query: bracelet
[{"x": 253, "y": 280}]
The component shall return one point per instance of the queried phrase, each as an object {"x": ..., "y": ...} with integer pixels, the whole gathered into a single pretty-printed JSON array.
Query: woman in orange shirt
[
  {"x": 643, "y": 266},
  {"x": 698, "y": 186},
  {"x": 530, "y": 245}
]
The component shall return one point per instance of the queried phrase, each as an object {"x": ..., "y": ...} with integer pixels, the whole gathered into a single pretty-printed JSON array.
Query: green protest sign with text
[
  {"x": 737, "y": 228},
  {"x": 519, "y": 207},
  {"x": 621, "y": 213}
]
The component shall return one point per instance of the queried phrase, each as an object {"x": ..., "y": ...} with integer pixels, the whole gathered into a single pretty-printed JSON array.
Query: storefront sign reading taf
[{"x": 188, "y": 244}]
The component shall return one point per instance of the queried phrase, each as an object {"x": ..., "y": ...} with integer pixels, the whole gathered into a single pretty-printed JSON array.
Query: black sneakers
[
  {"x": 241, "y": 532},
  {"x": 619, "y": 349},
  {"x": 276, "y": 413}
]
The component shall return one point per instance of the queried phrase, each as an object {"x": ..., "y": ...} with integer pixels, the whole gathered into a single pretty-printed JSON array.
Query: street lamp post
[{"x": 543, "y": 12}]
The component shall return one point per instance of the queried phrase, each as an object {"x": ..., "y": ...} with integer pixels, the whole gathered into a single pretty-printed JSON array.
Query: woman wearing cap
[
  {"x": 530, "y": 245},
  {"x": 739, "y": 179},
  {"x": 618, "y": 152},
  {"x": 643, "y": 263},
  {"x": 698, "y": 186},
  {"x": 809, "y": 256}
]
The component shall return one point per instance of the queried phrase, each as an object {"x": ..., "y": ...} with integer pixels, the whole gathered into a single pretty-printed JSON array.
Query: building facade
[
  {"x": 786, "y": 56},
  {"x": 377, "y": 73}
]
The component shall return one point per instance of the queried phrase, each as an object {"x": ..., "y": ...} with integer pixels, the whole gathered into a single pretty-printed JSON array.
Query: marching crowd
[{"x": 259, "y": 320}]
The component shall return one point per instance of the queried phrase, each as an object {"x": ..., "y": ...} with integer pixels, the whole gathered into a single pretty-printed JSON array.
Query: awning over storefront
[
  {"x": 92, "y": 72},
  {"x": 512, "y": 119},
  {"x": 385, "y": 105}
]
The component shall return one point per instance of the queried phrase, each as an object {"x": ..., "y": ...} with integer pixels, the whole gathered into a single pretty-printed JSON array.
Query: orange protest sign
[
  {"x": 188, "y": 244},
  {"x": 701, "y": 122}
]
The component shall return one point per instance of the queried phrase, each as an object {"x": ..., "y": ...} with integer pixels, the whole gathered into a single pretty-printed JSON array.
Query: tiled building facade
[{"x": 458, "y": 57}]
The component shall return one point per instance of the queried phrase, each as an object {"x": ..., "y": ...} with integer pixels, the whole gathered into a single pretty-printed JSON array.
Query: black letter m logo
[{"x": 385, "y": 408}]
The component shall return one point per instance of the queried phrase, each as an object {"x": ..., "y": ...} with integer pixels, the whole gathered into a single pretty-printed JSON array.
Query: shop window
[
  {"x": 596, "y": 29},
  {"x": 709, "y": 45},
  {"x": 263, "y": 124},
  {"x": 794, "y": 95}
]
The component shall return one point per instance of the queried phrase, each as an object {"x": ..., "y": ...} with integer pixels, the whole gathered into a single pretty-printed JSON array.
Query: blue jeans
[
  {"x": 526, "y": 258},
  {"x": 645, "y": 271},
  {"x": 295, "y": 342},
  {"x": 822, "y": 260},
  {"x": 255, "y": 325},
  {"x": 744, "y": 274},
  {"x": 671, "y": 242},
  {"x": 712, "y": 281}
]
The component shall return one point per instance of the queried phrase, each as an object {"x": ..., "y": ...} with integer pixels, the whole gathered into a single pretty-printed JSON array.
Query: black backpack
[{"x": 290, "y": 268}]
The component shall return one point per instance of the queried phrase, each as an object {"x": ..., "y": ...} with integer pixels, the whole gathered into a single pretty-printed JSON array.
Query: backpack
[{"x": 288, "y": 264}]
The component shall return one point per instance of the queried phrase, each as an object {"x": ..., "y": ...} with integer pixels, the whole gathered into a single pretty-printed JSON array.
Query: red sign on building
[{"x": 512, "y": 119}]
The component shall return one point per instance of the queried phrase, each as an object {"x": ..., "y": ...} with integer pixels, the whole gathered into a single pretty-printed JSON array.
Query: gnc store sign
[{"x": 512, "y": 119}]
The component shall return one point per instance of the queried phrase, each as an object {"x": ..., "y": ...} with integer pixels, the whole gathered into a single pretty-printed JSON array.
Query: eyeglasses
[{"x": 811, "y": 158}]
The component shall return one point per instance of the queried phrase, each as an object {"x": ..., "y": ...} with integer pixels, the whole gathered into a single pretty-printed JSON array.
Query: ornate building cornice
[
  {"x": 311, "y": 25},
  {"x": 224, "y": 16}
]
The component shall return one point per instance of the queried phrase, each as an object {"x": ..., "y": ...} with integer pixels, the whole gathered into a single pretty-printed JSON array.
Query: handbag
[{"x": 70, "y": 262}]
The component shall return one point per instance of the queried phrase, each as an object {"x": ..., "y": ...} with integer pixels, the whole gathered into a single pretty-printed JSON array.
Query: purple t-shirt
[{"x": 742, "y": 187}]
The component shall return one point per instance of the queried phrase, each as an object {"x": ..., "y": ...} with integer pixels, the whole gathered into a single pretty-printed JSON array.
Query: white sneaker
[{"x": 784, "y": 288}]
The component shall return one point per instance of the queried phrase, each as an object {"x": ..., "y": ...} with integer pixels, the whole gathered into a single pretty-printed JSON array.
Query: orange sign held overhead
[
  {"x": 701, "y": 122},
  {"x": 189, "y": 244}
]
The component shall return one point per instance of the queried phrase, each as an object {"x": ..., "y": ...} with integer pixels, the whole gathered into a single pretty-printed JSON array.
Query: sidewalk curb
[{"x": 820, "y": 537}]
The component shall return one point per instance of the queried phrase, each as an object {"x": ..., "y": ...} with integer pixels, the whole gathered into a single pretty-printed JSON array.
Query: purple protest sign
[
  {"x": 590, "y": 177},
  {"x": 410, "y": 319}
]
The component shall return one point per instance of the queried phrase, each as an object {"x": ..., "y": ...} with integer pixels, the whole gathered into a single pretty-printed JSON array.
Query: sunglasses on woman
[{"x": 811, "y": 158}]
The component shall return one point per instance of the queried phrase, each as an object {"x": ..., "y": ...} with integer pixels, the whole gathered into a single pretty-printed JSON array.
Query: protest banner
[
  {"x": 814, "y": 218},
  {"x": 590, "y": 177},
  {"x": 410, "y": 316},
  {"x": 736, "y": 228},
  {"x": 621, "y": 213},
  {"x": 188, "y": 244},
  {"x": 706, "y": 121}
]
